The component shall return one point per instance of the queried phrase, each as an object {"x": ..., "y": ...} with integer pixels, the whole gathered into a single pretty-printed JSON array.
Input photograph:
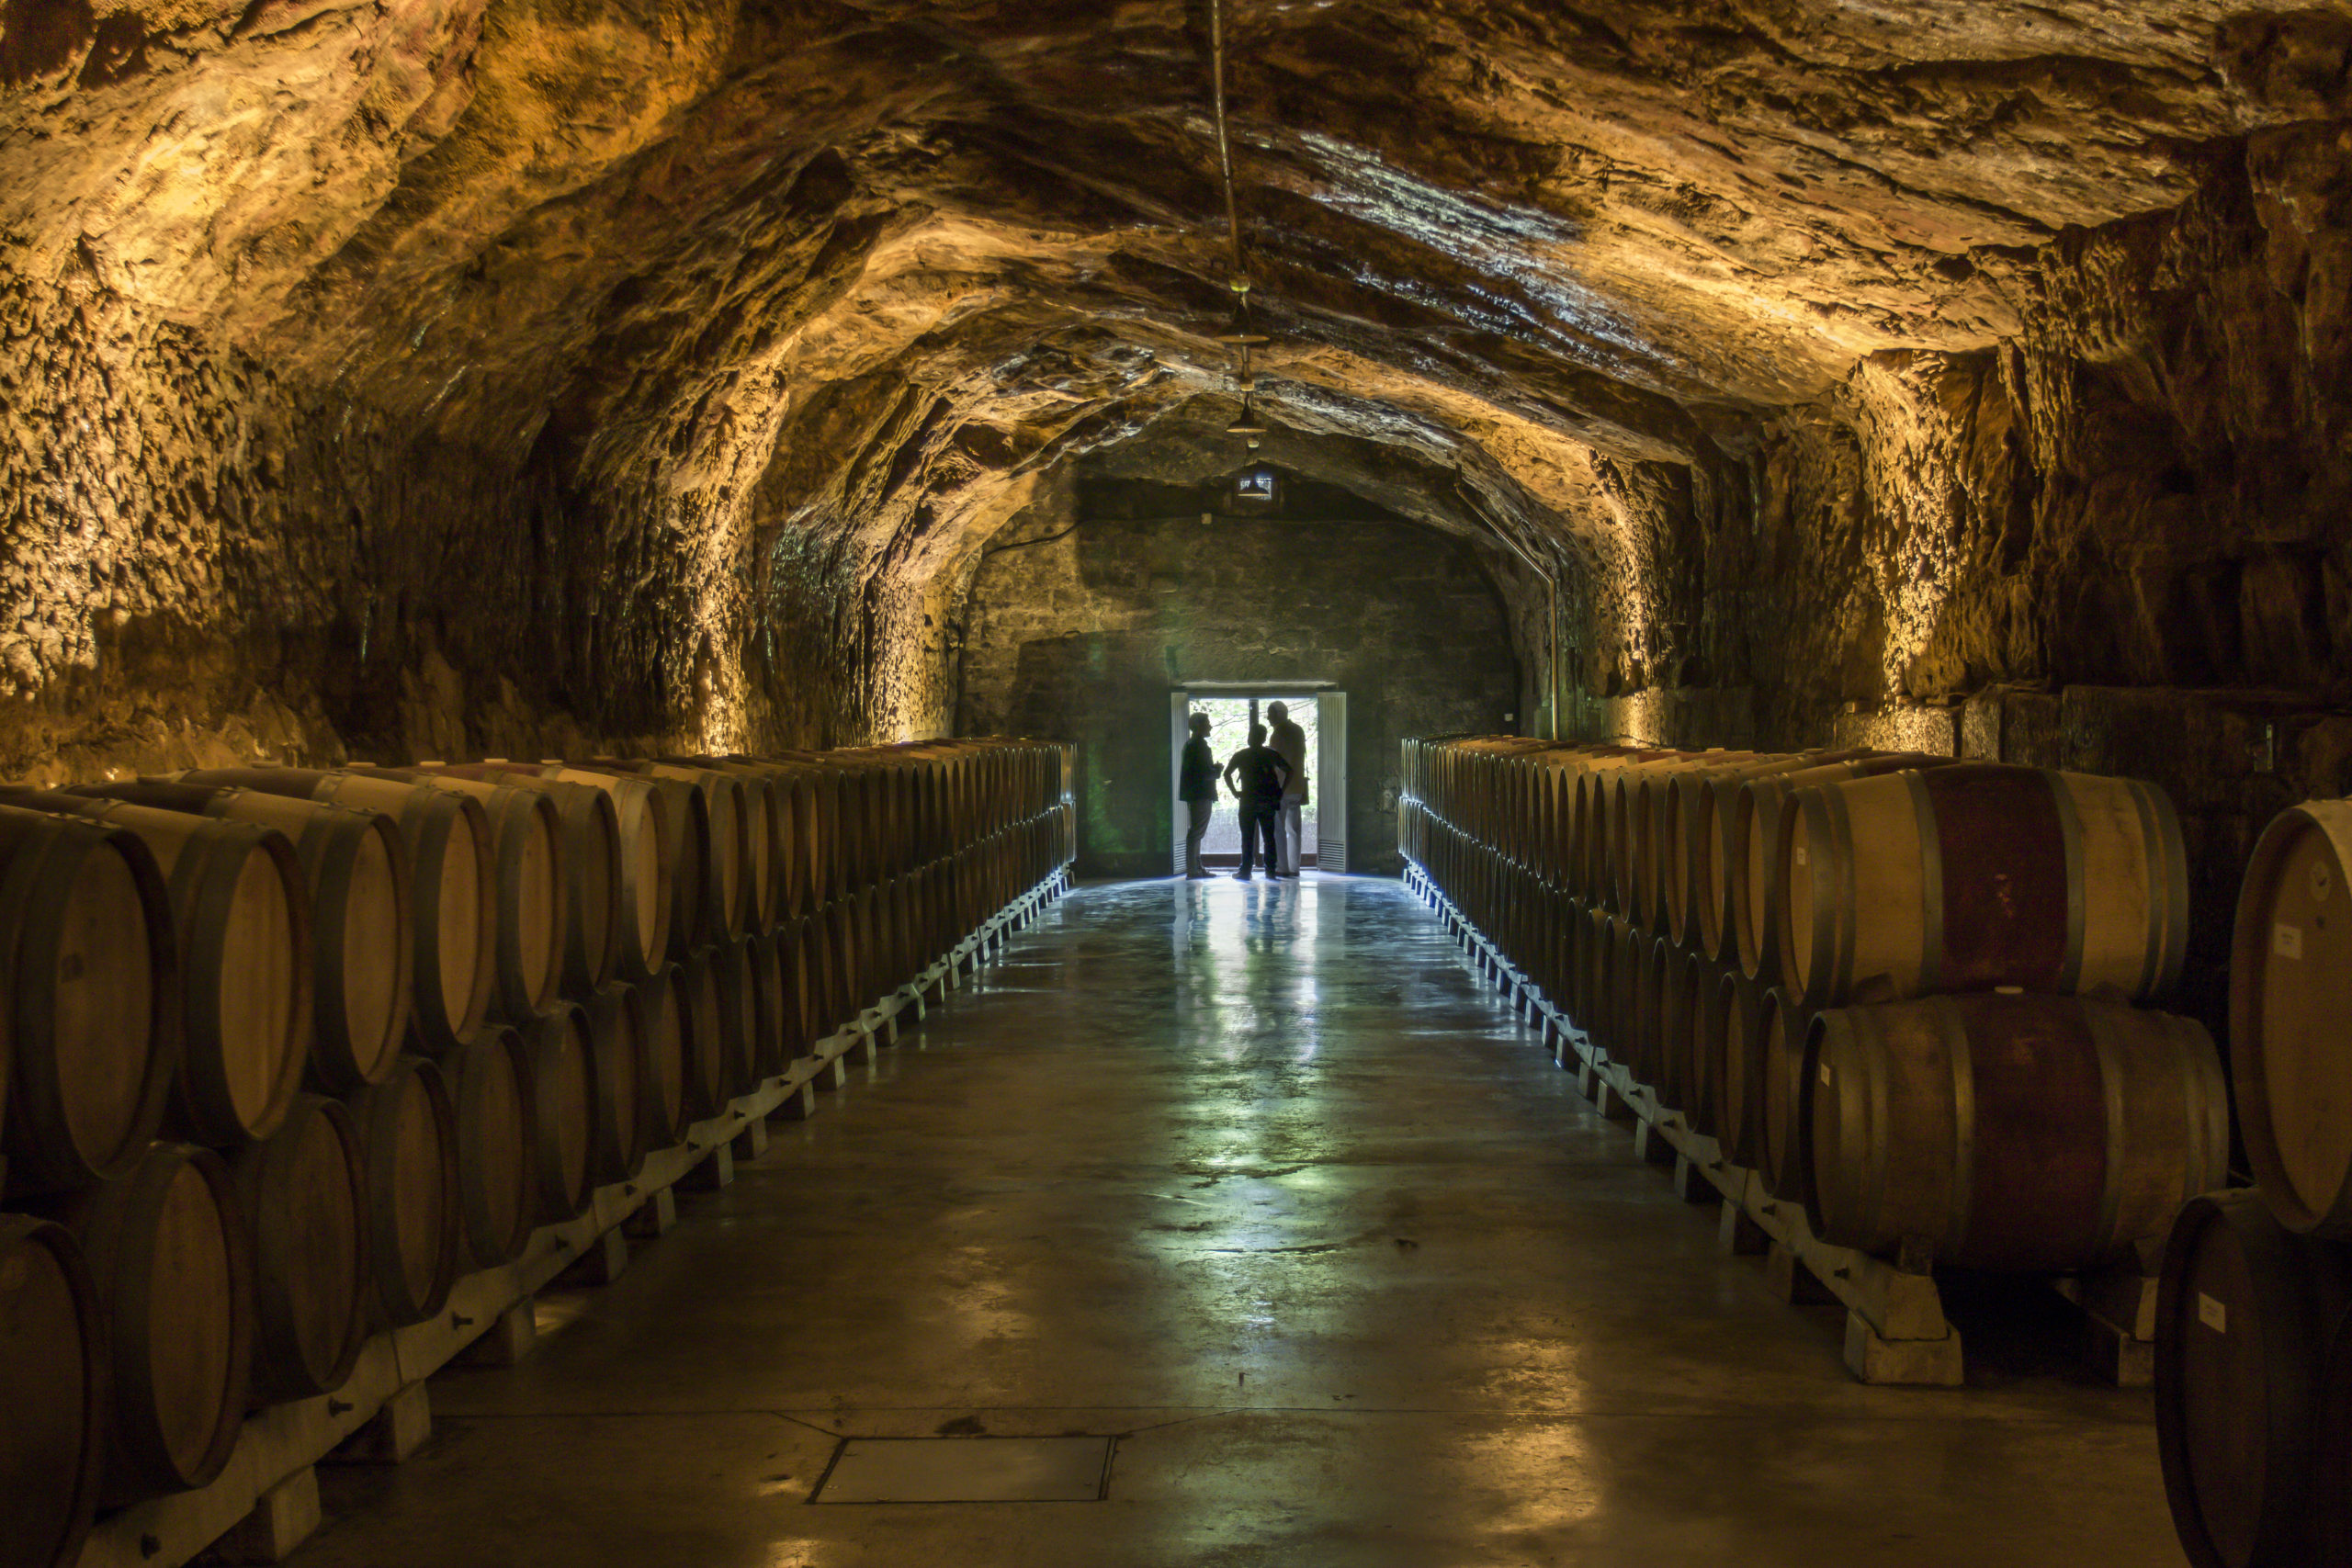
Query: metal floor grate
[{"x": 968, "y": 1470}]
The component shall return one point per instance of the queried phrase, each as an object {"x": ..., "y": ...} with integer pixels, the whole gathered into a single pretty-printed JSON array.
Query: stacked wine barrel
[
  {"x": 2254, "y": 1310},
  {"x": 1899, "y": 988},
  {"x": 288, "y": 1051}
]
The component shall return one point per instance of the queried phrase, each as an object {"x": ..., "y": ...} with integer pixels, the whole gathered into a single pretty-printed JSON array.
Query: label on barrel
[
  {"x": 1825, "y": 1075},
  {"x": 1800, "y": 854},
  {"x": 2213, "y": 1314},
  {"x": 2287, "y": 941}
]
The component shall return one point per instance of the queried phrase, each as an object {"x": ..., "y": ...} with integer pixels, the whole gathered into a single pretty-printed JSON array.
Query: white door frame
[{"x": 1331, "y": 758}]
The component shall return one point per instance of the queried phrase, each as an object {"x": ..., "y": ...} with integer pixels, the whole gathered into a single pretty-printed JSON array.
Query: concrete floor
[{"x": 1255, "y": 1179}]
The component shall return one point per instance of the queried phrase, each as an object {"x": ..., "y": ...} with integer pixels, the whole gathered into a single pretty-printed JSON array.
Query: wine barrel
[
  {"x": 172, "y": 1266},
  {"x": 2243, "y": 1311},
  {"x": 803, "y": 980},
  {"x": 1779, "y": 1091},
  {"x": 451, "y": 884},
  {"x": 729, "y": 900},
  {"x": 666, "y": 1091},
  {"x": 1679, "y": 986},
  {"x": 772, "y": 957},
  {"x": 2007, "y": 1131},
  {"x": 1981, "y": 874},
  {"x": 692, "y": 869},
  {"x": 702, "y": 1014},
  {"x": 1710, "y": 1017},
  {"x": 53, "y": 1386},
  {"x": 1753, "y": 838},
  {"x": 734, "y": 963},
  {"x": 1649, "y": 795},
  {"x": 595, "y": 865},
  {"x": 616, "y": 1127},
  {"x": 408, "y": 1127},
  {"x": 304, "y": 1193},
  {"x": 498, "y": 1178},
  {"x": 530, "y": 887},
  {"x": 242, "y": 916},
  {"x": 649, "y": 851},
  {"x": 1646, "y": 1023},
  {"x": 363, "y": 949},
  {"x": 759, "y": 826},
  {"x": 1697, "y": 871},
  {"x": 89, "y": 978},
  {"x": 2291, "y": 1015},
  {"x": 1739, "y": 1105},
  {"x": 562, "y": 1063}
]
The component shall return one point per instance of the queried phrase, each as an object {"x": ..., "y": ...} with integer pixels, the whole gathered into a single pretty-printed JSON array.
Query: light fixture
[{"x": 1244, "y": 340}]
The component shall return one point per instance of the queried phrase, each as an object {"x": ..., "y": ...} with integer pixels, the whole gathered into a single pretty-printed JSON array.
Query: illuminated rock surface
[{"x": 393, "y": 378}]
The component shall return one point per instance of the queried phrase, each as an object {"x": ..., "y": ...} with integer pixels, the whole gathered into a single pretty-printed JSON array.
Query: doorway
[{"x": 1321, "y": 712}]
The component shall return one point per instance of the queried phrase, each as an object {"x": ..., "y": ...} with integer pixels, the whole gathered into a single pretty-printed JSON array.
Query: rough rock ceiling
[{"x": 878, "y": 268}]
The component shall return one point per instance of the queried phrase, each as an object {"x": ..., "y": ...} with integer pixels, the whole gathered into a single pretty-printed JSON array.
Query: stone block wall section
[{"x": 1084, "y": 636}]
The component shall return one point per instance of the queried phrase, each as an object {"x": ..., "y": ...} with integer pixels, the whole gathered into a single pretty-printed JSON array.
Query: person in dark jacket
[
  {"x": 1262, "y": 774},
  {"x": 1197, "y": 790},
  {"x": 1286, "y": 737}
]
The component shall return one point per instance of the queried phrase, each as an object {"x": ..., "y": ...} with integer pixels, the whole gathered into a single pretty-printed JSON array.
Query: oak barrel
[
  {"x": 1780, "y": 1093},
  {"x": 363, "y": 949},
  {"x": 172, "y": 1266},
  {"x": 452, "y": 881},
  {"x": 739, "y": 1016},
  {"x": 1982, "y": 875},
  {"x": 89, "y": 976},
  {"x": 701, "y": 1008},
  {"x": 770, "y": 954},
  {"x": 305, "y": 1196},
  {"x": 2024, "y": 1133},
  {"x": 498, "y": 1178},
  {"x": 694, "y": 865},
  {"x": 668, "y": 1097},
  {"x": 2291, "y": 1015},
  {"x": 53, "y": 1386},
  {"x": 617, "y": 1124},
  {"x": 530, "y": 872},
  {"x": 1739, "y": 1103},
  {"x": 562, "y": 1063},
  {"x": 594, "y": 866},
  {"x": 1752, "y": 833},
  {"x": 242, "y": 916},
  {"x": 2244, "y": 1310},
  {"x": 409, "y": 1128},
  {"x": 648, "y": 852}
]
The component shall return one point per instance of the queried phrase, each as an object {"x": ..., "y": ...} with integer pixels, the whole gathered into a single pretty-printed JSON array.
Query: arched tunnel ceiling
[{"x": 880, "y": 269}]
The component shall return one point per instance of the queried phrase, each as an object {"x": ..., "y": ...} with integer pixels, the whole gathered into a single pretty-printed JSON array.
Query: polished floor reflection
[{"x": 1253, "y": 1178}]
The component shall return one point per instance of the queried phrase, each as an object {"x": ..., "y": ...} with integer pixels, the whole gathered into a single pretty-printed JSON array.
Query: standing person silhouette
[
  {"x": 1263, "y": 775},
  {"x": 1197, "y": 790},
  {"x": 1289, "y": 741}
]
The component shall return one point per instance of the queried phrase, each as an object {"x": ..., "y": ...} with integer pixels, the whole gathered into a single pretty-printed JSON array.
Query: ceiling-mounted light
[
  {"x": 1243, "y": 427},
  {"x": 1244, "y": 340},
  {"x": 1239, "y": 285}
]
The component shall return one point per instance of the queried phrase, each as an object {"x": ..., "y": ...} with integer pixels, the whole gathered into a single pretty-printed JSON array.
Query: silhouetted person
[
  {"x": 1197, "y": 790},
  {"x": 1262, "y": 774},
  {"x": 1289, "y": 819}
]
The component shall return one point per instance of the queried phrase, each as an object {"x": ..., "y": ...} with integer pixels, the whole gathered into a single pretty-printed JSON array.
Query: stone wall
[{"x": 1083, "y": 635}]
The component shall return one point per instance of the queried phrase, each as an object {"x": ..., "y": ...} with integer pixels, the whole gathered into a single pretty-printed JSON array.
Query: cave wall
[
  {"x": 2117, "y": 541},
  {"x": 1084, "y": 634}
]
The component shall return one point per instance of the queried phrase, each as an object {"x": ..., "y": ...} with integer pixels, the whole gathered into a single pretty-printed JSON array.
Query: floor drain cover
[{"x": 968, "y": 1470}]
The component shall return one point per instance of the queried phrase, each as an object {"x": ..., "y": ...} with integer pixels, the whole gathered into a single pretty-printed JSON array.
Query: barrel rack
[
  {"x": 1895, "y": 1328},
  {"x": 266, "y": 1502}
]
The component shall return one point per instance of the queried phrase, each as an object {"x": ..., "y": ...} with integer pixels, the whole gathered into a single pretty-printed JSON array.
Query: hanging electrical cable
[{"x": 1242, "y": 339}]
